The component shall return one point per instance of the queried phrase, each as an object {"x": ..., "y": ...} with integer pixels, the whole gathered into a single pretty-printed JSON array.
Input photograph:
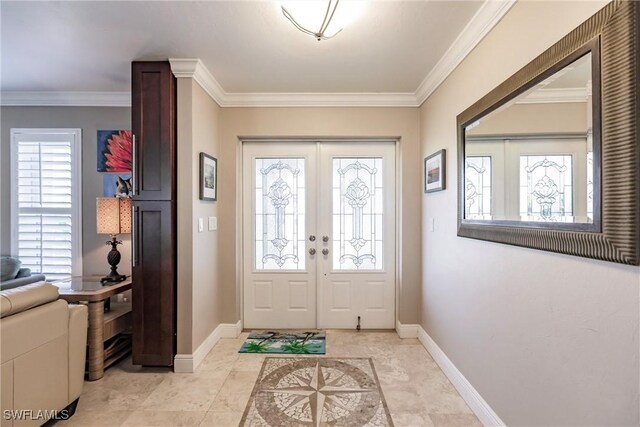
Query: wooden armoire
[{"x": 153, "y": 240}]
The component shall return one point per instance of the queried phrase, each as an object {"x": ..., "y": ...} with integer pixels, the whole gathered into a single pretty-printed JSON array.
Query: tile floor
[{"x": 416, "y": 390}]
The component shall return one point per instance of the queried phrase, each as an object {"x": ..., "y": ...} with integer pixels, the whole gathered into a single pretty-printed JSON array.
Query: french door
[{"x": 319, "y": 235}]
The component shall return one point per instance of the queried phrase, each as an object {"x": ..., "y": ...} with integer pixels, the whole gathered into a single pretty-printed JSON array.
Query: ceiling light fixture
[{"x": 328, "y": 16}]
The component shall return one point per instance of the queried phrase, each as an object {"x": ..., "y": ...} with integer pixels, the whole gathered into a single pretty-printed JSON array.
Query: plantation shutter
[{"x": 46, "y": 194}]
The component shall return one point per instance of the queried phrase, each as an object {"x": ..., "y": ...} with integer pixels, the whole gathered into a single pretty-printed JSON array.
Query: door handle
[
  {"x": 325, "y": 251},
  {"x": 312, "y": 251},
  {"x": 134, "y": 240},
  {"x": 133, "y": 165},
  {"x": 325, "y": 239},
  {"x": 312, "y": 238}
]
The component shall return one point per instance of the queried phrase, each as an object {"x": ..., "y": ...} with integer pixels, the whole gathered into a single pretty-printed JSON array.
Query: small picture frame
[
  {"x": 435, "y": 172},
  {"x": 208, "y": 177}
]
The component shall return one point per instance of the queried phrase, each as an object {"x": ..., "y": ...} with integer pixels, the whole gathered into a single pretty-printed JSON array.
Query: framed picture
[
  {"x": 435, "y": 172},
  {"x": 208, "y": 177},
  {"x": 114, "y": 150},
  {"x": 116, "y": 185}
]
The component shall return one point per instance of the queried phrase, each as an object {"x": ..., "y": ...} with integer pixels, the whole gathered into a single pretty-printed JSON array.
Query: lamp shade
[{"x": 113, "y": 215}]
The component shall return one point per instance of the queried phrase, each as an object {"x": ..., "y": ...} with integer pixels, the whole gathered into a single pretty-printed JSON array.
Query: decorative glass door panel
[
  {"x": 280, "y": 214},
  {"x": 546, "y": 187},
  {"x": 358, "y": 214},
  {"x": 478, "y": 187}
]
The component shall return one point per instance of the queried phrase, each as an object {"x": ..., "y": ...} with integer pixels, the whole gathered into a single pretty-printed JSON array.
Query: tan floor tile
[
  {"x": 416, "y": 390},
  {"x": 221, "y": 419},
  {"x": 249, "y": 363},
  {"x": 411, "y": 419},
  {"x": 235, "y": 392},
  {"x": 186, "y": 392},
  {"x": 95, "y": 419},
  {"x": 118, "y": 392},
  {"x": 165, "y": 418},
  {"x": 455, "y": 420}
]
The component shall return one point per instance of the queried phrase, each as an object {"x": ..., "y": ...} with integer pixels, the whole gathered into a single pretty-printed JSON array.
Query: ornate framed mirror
[{"x": 550, "y": 159}]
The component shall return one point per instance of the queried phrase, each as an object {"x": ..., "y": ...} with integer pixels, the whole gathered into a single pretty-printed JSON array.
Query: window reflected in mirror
[{"x": 531, "y": 159}]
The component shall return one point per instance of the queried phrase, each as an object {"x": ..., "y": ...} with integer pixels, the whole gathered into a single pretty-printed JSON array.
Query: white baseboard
[
  {"x": 188, "y": 363},
  {"x": 478, "y": 405},
  {"x": 406, "y": 330}
]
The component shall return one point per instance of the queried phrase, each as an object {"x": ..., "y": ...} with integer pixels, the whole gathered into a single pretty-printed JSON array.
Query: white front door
[
  {"x": 357, "y": 217},
  {"x": 319, "y": 235}
]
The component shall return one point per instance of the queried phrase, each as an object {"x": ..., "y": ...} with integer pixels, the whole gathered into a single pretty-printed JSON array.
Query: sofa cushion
[
  {"x": 21, "y": 281},
  {"x": 9, "y": 267},
  {"x": 16, "y": 300},
  {"x": 23, "y": 272}
]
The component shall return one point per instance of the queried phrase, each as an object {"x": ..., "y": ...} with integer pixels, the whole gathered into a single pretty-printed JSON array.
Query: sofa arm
[{"x": 78, "y": 318}]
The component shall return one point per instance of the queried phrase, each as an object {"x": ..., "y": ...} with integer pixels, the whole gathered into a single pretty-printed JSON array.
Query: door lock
[
  {"x": 325, "y": 251},
  {"x": 312, "y": 251},
  {"x": 312, "y": 238}
]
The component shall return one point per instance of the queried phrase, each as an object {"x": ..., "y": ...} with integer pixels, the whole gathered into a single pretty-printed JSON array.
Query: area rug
[
  {"x": 285, "y": 342},
  {"x": 316, "y": 391}
]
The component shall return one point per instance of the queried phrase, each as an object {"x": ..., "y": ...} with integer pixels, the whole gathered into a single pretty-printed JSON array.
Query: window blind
[{"x": 45, "y": 204}]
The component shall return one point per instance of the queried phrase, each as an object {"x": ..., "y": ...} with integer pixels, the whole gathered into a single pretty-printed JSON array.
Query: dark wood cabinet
[
  {"x": 153, "y": 109},
  {"x": 154, "y": 293},
  {"x": 153, "y": 241}
]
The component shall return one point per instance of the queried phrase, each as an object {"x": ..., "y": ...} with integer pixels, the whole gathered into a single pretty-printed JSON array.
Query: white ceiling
[{"x": 248, "y": 46}]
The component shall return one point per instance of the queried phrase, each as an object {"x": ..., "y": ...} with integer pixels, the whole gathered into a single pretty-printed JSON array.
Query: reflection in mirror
[{"x": 531, "y": 159}]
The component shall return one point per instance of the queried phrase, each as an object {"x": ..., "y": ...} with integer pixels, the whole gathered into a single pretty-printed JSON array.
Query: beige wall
[
  {"x": 546, "y": 339},
  {"x": 89, "y": 119},
  {"x": 321, "y": 123},
  {"x": 199, "y": 290}
]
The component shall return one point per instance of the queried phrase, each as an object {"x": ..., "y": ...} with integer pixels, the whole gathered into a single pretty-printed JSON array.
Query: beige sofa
[{"x": 43, "y": 348}]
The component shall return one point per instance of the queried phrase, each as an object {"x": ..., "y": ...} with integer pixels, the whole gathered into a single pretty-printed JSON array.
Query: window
[{"x": 46, "y": 200}]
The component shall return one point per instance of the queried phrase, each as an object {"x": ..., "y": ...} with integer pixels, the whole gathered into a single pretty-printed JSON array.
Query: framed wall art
[
  {"x": 208, "y": 177},
  {"x": 435, "y": 173}
]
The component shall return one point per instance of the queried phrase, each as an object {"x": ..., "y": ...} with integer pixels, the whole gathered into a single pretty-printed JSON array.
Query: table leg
[{"x": 95, "y": 340}]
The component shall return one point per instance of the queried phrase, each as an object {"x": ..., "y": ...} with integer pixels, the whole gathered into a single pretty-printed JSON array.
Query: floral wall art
[{"x": 114, "y": 150}]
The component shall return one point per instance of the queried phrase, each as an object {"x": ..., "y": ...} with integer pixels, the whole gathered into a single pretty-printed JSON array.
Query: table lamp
[{"x": 113, "y": 216}]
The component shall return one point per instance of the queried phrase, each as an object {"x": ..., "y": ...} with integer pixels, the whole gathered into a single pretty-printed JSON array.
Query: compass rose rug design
[{"x": 317, "y": 391}]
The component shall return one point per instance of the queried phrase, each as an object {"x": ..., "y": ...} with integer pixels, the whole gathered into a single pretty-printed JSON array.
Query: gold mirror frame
[{"x": 615, "y": 31}]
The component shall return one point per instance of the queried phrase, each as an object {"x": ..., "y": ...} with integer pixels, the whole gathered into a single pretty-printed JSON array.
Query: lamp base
[
  {"x": 113, "y": 258},
  {"x": 113, "y": 278}
]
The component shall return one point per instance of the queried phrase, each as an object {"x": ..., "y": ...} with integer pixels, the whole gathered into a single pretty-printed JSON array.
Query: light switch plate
[
  {"x": 200, "y": 224},
  {"x": 213, "y": 223}
]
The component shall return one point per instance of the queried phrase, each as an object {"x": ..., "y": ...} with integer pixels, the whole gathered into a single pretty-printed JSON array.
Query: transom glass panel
[
  {"x": 478, "y": 187},
  {"x": 280, "y": 214},
  {"x": 546, "y": 187},
  {"x": 358, "y": 213}
]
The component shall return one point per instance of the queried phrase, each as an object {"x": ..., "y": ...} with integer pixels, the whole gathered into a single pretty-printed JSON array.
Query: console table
[{"x": 107, "y": 321}]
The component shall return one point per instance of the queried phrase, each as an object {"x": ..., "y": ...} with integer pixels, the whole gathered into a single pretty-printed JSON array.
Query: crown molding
[
  {"x": 489, "y": 14},
  {"x": 301, "y": 99},
  {"x": 195, "y": 69},
  {"x": 68, "y": 99},
  {"x": 555, "y": 96}
]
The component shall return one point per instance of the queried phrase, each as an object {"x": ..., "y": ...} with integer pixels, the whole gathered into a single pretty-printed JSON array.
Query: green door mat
[{"x": 285, "y": 342}]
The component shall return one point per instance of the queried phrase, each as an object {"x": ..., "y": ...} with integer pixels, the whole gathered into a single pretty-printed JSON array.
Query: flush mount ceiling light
[{"x": 310, "y": 11}]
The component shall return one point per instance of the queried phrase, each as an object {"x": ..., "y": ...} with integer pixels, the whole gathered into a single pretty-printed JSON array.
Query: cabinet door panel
[
  {"x": 154, "y": 286},
  {"x": 154, "y": 126}
]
